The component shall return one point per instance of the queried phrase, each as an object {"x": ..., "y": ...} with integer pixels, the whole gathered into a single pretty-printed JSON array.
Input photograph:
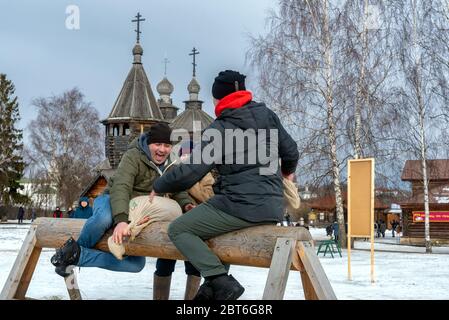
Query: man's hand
[
  {"x": 152, "y": 194},
  {"x": 188, "y": 207},
  {"x": 121, "y": 230},
  {"x": 290, "y": 176}
]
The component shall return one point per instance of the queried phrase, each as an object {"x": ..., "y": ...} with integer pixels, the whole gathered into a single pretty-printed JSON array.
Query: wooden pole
[
  {"x": 279, "y": 269},
  {"x": 321, "y": 287},
  {"x": 249, "y": 247},
  {"x": 349, "y": 224},
  {"x": 72, "y": 285},
  {"x": 372, "y": 221}
]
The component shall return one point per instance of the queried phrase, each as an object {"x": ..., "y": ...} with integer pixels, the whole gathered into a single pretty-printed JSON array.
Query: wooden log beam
[{"x": 248, "y": 247}]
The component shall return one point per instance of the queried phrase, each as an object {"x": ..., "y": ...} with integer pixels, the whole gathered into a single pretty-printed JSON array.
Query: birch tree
[
  {"x": 66, "y": 143},
  {"x": 422, "y": 98},
  {"x": 298, "y": 63}
]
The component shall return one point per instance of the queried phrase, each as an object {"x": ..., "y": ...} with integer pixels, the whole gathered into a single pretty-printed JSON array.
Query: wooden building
[
  {"x": 413, "y": 208},
  {"x": 323, "y": 209},
  {"x": 134, "y": 112}
]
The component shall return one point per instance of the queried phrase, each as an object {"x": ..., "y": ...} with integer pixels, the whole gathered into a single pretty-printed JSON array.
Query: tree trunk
[
  {"x": 361, "y": 87},
  {"x": 425, "y": 180},
  {"x": 422, "y": 135},
  {"x": 332, "y": 135}
]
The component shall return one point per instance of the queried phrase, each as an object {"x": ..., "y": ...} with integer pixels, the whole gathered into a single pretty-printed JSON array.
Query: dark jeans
[
  {"x": 165, "y": 267},
  {"x": 94, "y": 228}
]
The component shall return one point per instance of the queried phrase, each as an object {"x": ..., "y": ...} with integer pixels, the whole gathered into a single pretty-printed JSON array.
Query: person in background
[
  {"x": 383, "y": 227},
  {"x": 394, "y": 224},
  {"x": 84, "y": 211},
  {"x": 20, "y": 215},
  {"x": 336, "y": 229},
  {"x": 329, "y": 230},
  {"x": 58, "y": 213},
  {"x": 70, "y": 212},
  {"x": 33, "y": 214},
  {"x": 287, "y": 220}
]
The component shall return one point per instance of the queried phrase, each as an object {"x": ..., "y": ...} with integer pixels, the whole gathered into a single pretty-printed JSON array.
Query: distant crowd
[{"x": 83, "y": 211}]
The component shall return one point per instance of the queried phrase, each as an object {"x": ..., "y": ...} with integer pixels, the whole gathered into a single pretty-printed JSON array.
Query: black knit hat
[
  {"x": 226, "y": 83},
  {"x": 159, "y": 133}
]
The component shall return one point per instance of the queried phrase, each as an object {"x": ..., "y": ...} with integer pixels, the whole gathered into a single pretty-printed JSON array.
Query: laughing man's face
[{"x": 159, "y": 152}]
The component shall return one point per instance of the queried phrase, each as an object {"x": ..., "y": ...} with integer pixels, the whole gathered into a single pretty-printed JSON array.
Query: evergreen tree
[{"x": 11, "y": 161}]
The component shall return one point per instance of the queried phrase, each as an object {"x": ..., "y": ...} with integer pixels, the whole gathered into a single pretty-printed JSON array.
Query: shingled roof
[
  {"x": 437, "y": 170},
  {"x": 186, "y": 119},
  {"x": 136, "y": 99},
  {"x": 193, "y": 111}
]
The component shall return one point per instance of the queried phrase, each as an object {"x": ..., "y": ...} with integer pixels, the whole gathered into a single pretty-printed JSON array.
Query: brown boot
[
  {"x": 192, "y": 285},
  {"x": 161, "y": 287}
]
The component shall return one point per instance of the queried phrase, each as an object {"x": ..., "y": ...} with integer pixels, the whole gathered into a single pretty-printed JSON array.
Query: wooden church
[{"x": 136, "y": 110}]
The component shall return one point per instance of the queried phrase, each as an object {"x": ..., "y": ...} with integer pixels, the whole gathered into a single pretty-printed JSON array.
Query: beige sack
[
  {"x": 291, "y": 195},
  {"x": 202, "y": 190},
  {"x": 160, "y": 209}
]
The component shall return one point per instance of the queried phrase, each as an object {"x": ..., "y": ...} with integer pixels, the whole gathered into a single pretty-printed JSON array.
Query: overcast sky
[{"x": 42, "y": 57}]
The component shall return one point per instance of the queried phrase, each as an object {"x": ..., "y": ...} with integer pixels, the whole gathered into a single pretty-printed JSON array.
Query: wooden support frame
[
  {"x": 289, "y": 253},
  {"x": 72, "y": 285},
  {"x": 22, "y": 271},
  {"x": 279, "y": 269},
  {"x": 315, "y": 283}
]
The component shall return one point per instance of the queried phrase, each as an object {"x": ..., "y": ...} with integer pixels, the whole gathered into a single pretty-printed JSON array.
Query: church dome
[
  {"x": 194, "y": 86},
  {"x": 165, "y": 87},
  {"x": 137, "y": 49}
]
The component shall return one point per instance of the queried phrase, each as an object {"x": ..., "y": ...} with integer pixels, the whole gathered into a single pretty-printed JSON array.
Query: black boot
[
  {"x": 205, "y": 292},
  {"x": 65, "y": 256},
  {"x": 225, "y": 287},
  {"x": 64, "y": 271}
]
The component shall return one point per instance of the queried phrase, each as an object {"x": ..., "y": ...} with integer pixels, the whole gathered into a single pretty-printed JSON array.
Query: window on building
[
  {"x": 126, "y": 130},
  {"x": 115, "y": 131}
]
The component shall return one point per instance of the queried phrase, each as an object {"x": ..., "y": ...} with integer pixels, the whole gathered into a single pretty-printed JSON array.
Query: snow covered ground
[{"x": 401, "y": 272}]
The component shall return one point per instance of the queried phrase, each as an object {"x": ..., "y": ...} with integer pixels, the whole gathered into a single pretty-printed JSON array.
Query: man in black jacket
[{"x": 247, "y": 192}]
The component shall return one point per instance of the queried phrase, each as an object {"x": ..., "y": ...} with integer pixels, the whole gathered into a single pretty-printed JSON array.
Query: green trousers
[{"x": 203, "y": 222}]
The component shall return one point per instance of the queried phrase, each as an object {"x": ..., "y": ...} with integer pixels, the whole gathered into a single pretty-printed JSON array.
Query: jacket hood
[
  {"x": 141, "y": 143},
  {"x": 252, "y": 116},
  {"x": 234, "y": 100},
  {"x": 84, "y": 199}
]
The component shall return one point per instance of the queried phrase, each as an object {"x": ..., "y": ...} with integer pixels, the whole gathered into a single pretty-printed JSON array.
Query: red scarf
[{"x": 234, "y": 100}]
